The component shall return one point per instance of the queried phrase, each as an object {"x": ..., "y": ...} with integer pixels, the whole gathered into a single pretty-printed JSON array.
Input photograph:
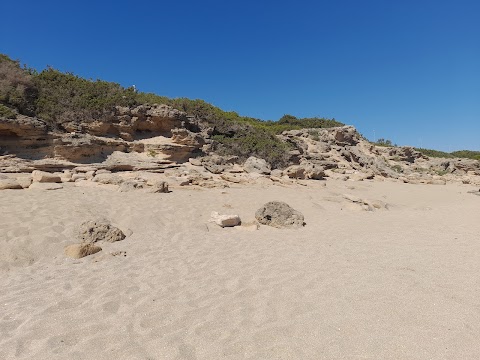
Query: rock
[
  {"x": 256, "y": 165},
  {"x": 99, "y": 230},
  {"x": 45, "y": 186},
  {"x": 295, "y": 172},
  {"x": 195, "y": 161},
  {"x": 76, "y": 177},
  {"x": 130, "y": 185},
  {"x": 474, "y": 192},
  {"x": 405, "y": 153},
  {"x": 280, "y": 215},
  {"x": 159, "y": 187},
  {"x": 305, "y": 171},
  {"x": 85, "y": 169},
  {"x": 361, "y": 176},
  {"x": 77, "y": 251},
  {"x": 356, "y": 203},
  {"x": 45, "y": 177},
  {"x": 277, "y": 173},
  {"x": 6, "y": 184},
  {"x": 66, "y": 177},
  {"x": 437, "y": 182},
  {"x": 108, "y": 178},
  {"x": 236, "y": 169},
  {"x": 233, "y": 179},
  {"x": 225, "y": 220},
  {"x": 90, "y": 174},
  {"x": 25, "y": 181},
  {"x": 214, "y": 168}
]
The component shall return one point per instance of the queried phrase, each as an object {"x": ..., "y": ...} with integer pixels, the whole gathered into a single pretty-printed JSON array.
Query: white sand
[{"x": 402, "y": 283}]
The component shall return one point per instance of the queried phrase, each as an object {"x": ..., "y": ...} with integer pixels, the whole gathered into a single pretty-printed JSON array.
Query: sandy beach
[{"x": 401, "y": 282}]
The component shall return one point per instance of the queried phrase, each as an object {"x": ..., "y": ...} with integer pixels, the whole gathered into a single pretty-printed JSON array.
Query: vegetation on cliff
[{"x": 57, "y": 97}]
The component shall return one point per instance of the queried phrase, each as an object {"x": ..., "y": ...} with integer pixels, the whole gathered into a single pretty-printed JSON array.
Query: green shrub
[
  {"x": 17, "y": 89},
  {"x": 468, "y": 154},
  {"x": 434, "y": 153},
  {"x": 66, "y": 97},
  {"x": 6, "y": 112}
]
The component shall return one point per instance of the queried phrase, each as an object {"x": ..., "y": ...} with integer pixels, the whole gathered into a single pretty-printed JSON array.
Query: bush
[
  {"x": 66, "y": 97},
  {"x": 6, "y": 112},
  {"x": 17, "y": 88},
  {"x": 434, "y": 153}
]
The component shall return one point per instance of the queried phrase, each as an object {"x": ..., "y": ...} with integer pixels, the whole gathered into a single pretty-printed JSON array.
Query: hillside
[
  {"x": 64, "y": 101},
  {"x": 56, "y": 121}
]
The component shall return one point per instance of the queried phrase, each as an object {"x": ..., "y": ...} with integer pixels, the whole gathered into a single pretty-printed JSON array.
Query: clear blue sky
[{"x": 408, "y": 70}]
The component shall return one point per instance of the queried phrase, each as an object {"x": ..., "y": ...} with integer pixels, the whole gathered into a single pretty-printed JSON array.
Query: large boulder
[
  {"x": 99, "y": 230},
  {"x": 280, "y": 215}
]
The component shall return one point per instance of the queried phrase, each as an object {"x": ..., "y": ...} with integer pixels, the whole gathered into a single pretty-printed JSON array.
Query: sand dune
[{"x": 397, "y": 283}]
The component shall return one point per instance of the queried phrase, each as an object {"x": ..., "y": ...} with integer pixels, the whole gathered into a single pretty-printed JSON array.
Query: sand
[{"x": 402, "y": 283}]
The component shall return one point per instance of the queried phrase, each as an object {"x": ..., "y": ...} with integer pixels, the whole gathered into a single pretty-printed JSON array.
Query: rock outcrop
[{"x": 158, "y": 138}]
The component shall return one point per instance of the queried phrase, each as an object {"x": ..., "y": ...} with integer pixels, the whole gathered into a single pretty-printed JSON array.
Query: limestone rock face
[
  {"x": 131, "y": 123},
  {"x": 280, "y": 215},
  {"x": 99, "y": 230},
  {"x": 256, "y": 165},
  {"x": 225, "y": 220},
  {"x": 23, "y": 135},
  {"x": 405, "y": 153}
]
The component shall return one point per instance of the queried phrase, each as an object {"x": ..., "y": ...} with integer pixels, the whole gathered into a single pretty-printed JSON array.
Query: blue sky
[{"x": 406, "y": 70}]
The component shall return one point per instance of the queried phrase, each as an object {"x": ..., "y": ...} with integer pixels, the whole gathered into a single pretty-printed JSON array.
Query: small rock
[
  {"x": 77, "y": 251},
  {"x": 225, "y": 220}
]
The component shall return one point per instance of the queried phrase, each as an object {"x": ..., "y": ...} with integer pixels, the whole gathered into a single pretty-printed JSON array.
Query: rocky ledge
[{"x": 160, "y": 139}]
